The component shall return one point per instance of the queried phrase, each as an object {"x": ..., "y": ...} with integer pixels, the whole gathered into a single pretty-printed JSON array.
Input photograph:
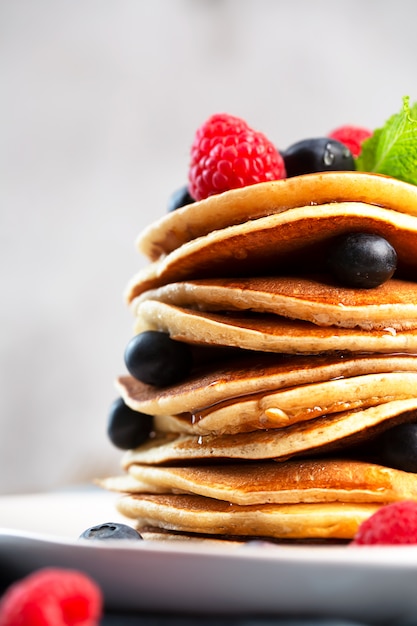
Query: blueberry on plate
[
  {"x": 110, "y": 530},
  {"x": 127, "y": 428},
  {"x": 362, "y": 260},
  {"x": 320, "y": 154},
  {"x": 155, "y": 359},
  {"x": 180, "y": 197}
]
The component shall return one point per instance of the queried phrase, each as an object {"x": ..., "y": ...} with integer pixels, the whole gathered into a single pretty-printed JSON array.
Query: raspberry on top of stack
[{"x": 273, "y": 367}]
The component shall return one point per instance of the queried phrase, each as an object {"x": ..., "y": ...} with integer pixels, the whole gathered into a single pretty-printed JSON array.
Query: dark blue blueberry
[
  {"x": 110, "y": 530},
  {"x": 319, "y": 154},
  {"x": 155, "y": 359},
  {"x": 126, "y": 428},
  {"x": 397, "y": 447},
  {"x": 179, "y": 198},
  {"x": 361, "y": 260}
]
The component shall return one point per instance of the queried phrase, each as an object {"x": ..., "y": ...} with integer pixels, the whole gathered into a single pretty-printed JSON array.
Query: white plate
[{"x": 364, "y": 584}]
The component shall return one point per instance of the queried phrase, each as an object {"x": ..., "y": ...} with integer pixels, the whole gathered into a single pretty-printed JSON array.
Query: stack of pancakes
[{"x": 295, "y": 376}]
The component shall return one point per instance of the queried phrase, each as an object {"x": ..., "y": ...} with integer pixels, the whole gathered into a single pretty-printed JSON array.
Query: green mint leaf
[{"x": 392, "y": 149}]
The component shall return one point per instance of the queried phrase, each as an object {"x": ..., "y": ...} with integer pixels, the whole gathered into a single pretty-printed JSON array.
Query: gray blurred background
[{"x": 99, "y": 103}]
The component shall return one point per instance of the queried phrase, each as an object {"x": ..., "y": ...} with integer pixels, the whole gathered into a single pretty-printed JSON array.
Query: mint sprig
[{"x": 392, "y": 149}]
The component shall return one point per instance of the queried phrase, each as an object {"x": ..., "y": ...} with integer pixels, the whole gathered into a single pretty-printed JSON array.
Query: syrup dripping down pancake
[
  {"x": 255, "y": 373},
  {"x": 291, "y": 406},
  {"x": 320, "y": 435},
  {"x": 281, "y": 408}
]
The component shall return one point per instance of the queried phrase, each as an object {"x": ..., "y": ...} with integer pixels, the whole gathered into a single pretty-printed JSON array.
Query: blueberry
[
  {"x": 110, "y": 530},
  {"x": 397, "y": 447},
  {"x": 361, "y": 260},
  {"x": 320, "y": 154},
  {"x": 179, "y": 198},
  {"x": 126, "y": 428},
  {"x": 155, "y": 359}
]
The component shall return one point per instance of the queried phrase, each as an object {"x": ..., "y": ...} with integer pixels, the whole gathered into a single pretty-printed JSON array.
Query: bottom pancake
[
  {"x": 197, "y": 514},
  {"x": 159, "y": 534}
]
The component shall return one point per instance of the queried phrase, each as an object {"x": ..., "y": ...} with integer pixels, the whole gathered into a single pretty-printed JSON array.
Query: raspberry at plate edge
[
  {"x": 392, "y": 524},
  {"x": 52, "y": 597}
]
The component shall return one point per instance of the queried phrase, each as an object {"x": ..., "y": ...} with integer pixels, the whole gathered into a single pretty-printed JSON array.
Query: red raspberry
[
  {"x": 394, "y": 523},
  {"x": 226, "y": 153},
  {"x": 352, "y": 137},
  {"x": 52, "y": 597}
]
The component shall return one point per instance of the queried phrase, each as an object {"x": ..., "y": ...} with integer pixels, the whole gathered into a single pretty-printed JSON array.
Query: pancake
[
  {"x": 149, "y": 533},
  {"x": 319, "y": 435},
  {"x": 127, "y": 483},
  {"x": 290, "y": 406},
  {"x": 254, "y": 373},
  {"x": 293, "y": 370},
  {"x": 197, "y": 514},
  {"x": 268, "y": 482},
  {"x": 267, "y": 333},
  {"x": 240, "y": 205},
  {"x": 274, "y": 243},
  {"x": 316, "y": 300}
]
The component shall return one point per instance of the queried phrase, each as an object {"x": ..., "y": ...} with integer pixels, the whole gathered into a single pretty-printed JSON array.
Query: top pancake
[
  {"x": 240, "y": 205},
  {"x": 276, "y": 244}
]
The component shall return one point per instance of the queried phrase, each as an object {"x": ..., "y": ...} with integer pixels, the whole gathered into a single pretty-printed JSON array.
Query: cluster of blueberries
[{"x": 151, "y": 357}]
